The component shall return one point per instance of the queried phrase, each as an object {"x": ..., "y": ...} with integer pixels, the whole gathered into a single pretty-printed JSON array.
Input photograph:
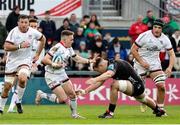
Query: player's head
[
  {"x": 67, "y": 37},
  {"x": 157, "y": 27},
  {"x": 33, "y": 23},
  {"x": 100, "y": 65},
  {"x": 23, "y": 23}
]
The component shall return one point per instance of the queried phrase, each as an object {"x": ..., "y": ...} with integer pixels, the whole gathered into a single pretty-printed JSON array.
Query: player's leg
[
  {"x": 14, "y": 98},
  {"x": 150, "y": 103},
  {"x": 159, "y": 78},
  {"x": 9, "y": 79},
  {"x": 58, "y": 96},
  {"x": 23, "y": 74},
  {"x": 113, "y": 100},
  {"x": 69, "y": 90},
  {"x": 13, "y": 102},
  {"x": 142, "y": 72}
]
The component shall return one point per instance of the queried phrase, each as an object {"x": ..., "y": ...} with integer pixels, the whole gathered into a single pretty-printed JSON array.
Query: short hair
[
  {"x": 97, "y": 62},
  {"x": 23, "y": 16},
  {"x": 66, "y": 19},
  {"x": 32, "y": 20},
  {"x": 158, "y": 22},
  {"x": 149, "y": 11},
  {"x": 66, "y": 33}
]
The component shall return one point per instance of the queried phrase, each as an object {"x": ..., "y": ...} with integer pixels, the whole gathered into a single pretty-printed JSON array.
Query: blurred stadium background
[{"x": 115, "y": 17}]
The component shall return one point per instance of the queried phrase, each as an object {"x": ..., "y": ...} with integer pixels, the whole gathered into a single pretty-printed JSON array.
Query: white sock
[
  {"x": 73, "y": 106},
  {"x": 2, "y": 103},
  {"x": 50, "y": 97},
  {"x": 161, "y": 105},
  {"x": 20, "y": 93},
  {"x": 13, "y": 101}
]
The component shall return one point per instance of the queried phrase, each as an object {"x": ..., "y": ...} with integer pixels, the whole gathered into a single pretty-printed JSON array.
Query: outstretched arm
[{"x": 98, "y": 81}]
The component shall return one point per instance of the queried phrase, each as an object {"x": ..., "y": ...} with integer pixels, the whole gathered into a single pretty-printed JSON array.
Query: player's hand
[
  {"x": 90, "y": 81},
  {"x": 80, "y": 92},
  {"x": 168, "y": 72},
  {"x": 96, "y": 55},
  {"x": 145, "y": 65},
  {"x": 25, "y": 44},
  {"x": 57, "y": 65},
  {"x": 34, "y": 68},
  {"x": 35, "y": 58}
]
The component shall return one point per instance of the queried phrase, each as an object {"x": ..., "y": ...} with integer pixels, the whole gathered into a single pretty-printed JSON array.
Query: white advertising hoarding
[{"x": 58, "y": 8}]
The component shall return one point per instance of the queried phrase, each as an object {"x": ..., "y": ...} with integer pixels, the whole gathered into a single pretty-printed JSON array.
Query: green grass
[{"x": 55, "y": 114}]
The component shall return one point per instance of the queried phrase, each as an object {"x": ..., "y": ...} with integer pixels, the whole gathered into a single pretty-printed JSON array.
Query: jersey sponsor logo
[{"x": 153, "y": 48}]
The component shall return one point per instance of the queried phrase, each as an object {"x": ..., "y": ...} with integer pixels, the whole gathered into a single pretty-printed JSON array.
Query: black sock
[
  {"x": 112, "y": 107},
  {"x": 156, "y": 109}
]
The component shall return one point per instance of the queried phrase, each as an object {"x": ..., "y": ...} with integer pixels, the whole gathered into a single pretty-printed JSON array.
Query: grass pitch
[{"x": 60, "y": 114}]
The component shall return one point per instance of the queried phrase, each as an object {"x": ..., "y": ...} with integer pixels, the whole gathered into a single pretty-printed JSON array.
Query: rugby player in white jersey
[
  {"x": 18, "y": 47},
  {"x": 34, "y": 24},
  {"x": 146, "y": 53},
  {"x": 55, "y": 75}
]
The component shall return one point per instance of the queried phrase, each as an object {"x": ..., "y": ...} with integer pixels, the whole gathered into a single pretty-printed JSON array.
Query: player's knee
[
  {"x": 161, "y": 87},
  {"x": 72, "y": 95},
  {"x": 6, "y": 89},
  {"x": 22, "y": 79},
  {"x": 114, "y": 85}
]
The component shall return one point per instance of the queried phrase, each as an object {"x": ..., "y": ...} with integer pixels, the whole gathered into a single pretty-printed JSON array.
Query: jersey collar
[{"x": 62, "y": 43}]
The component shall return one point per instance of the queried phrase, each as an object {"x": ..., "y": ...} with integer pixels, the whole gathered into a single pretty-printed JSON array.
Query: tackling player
[{"x": 125, "y": 80}]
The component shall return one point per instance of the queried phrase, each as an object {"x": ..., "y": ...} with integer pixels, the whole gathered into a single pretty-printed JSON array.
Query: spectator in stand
[
  {"x": 175, "y": 40},
  {"x": 98, "y": 48},
  {"x": 3, "y": 35},
  {"x": 83, "y": 52},
  {"x": 79, "y": 36},
  {"x": 73, "y": 23},
  {"x": 170, "y": 25},
  {"x": 32, "y": 14},
  {"x": 137, "y": 28},
  {"x": 65, "y": 26},
  {"x": 85, "y": 21},
  {"x": 91, "y": 31},
  {"x": 96, "y": 22},
  {"x": 116, "y": 47},
  {"x": 48, "y": 28},
  {"x": 12, "y": 19},
  {"x": 107, "y": 40},
  {"x": 149, "y": 19}
]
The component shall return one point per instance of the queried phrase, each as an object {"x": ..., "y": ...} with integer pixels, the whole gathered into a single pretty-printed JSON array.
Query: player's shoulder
[
  {"x": 164, "y": 37},
  {"x": 145, "y": 34}
]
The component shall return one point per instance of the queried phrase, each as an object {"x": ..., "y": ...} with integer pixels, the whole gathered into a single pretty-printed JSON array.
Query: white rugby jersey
[
  {"x": 64, "y": 52},
  {"x": 150, "y": 46},
  {"x": 22, "y": 55}
]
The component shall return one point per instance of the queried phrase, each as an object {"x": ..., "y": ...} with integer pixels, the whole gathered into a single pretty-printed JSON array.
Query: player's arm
[
  {"x": 41, "y": 45},
  {"x": 171, "y": 62},
  {"x": 10, "y": 46},
  {"x": 80, "y": 59},
  {"x": 47, "y": 60},
  {"x": 134, "y": 51},
  {"x": 98, "y": 81}
]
